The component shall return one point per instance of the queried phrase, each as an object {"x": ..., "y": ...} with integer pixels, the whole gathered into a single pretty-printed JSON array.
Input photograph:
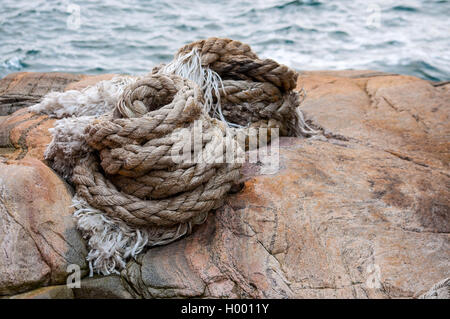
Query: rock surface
[
  {"x": 38, "y": 237},
  {"x": 338, "y": 220},
  {"x": 361, "y": 212},
  {"x": 110, "y": 287},
  {"x": 51, "y": 292},
  {"x": 26, "y": 134},
  {"x": 440, "y": 290},
  {"x": 402, "y": 115},
  {"x": 18, "y": 90}
]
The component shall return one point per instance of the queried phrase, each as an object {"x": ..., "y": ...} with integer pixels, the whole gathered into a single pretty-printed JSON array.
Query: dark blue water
[{"x": 409, "y": 37}]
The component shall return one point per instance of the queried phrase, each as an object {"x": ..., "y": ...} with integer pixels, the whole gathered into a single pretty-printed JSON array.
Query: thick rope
[
  {"x": 234, "y": 60},
  {"x": 144, "y": 147},
  {"x": 136, "y": 185},
  {"x": 245, "y": 89}
]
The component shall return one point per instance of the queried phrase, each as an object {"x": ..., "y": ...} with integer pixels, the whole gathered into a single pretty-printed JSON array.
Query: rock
[
  {"x": 441, "y": 290},
  {"x": 38, "y": 237},
  {"x": 24, "y": 133},
  {"x": 361, "y": 212},
  {"x": 52, "y": 292},
  {"x": 109, "y": 287},
  {"x": 403, "y": 115},
  {"x": 19, "y": 90},
  {"x": 88, "y": 80},
  {"x": 337, "y": 220}
]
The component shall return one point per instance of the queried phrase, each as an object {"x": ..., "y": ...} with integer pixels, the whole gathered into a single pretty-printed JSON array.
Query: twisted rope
[
  {"x": 144, "y": 147},
  {"x": 131, "y": 174},
  {"x": 234, "y": 60}
]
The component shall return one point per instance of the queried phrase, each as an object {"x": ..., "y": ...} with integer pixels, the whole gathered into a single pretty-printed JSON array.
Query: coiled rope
[
  {"x": 145, "y": 185},
  {"x": 132, "y": 189}
]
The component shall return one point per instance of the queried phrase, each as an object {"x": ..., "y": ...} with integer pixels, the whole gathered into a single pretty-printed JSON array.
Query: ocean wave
[
  {"x": 405, "y": 8},
  {"x": 12, "y": 64},
  {"x": 130, "y": 37}
]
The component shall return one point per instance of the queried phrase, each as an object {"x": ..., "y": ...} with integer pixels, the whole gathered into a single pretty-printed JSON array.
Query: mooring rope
[{"x": 132, "y": 190}]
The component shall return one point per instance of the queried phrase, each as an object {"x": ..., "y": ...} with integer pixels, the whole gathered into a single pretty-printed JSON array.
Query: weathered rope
[
  {"x": 144, "y": 147},
  {"x": 235, "y": 60},
  {"x": 132, "y": 188},
  {"x": 245, "y": 89}
]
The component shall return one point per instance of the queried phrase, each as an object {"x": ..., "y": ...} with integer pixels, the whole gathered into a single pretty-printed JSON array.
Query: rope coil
[
  {"x": 143, "y": 147},
  {"x": 132, "y": 187}
]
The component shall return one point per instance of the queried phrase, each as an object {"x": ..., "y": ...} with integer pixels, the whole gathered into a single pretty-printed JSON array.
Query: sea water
[{"x": 117, "y": 36}]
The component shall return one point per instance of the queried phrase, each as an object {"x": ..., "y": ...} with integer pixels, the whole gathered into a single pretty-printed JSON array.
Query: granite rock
[{"x": 360, "y": 211}]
